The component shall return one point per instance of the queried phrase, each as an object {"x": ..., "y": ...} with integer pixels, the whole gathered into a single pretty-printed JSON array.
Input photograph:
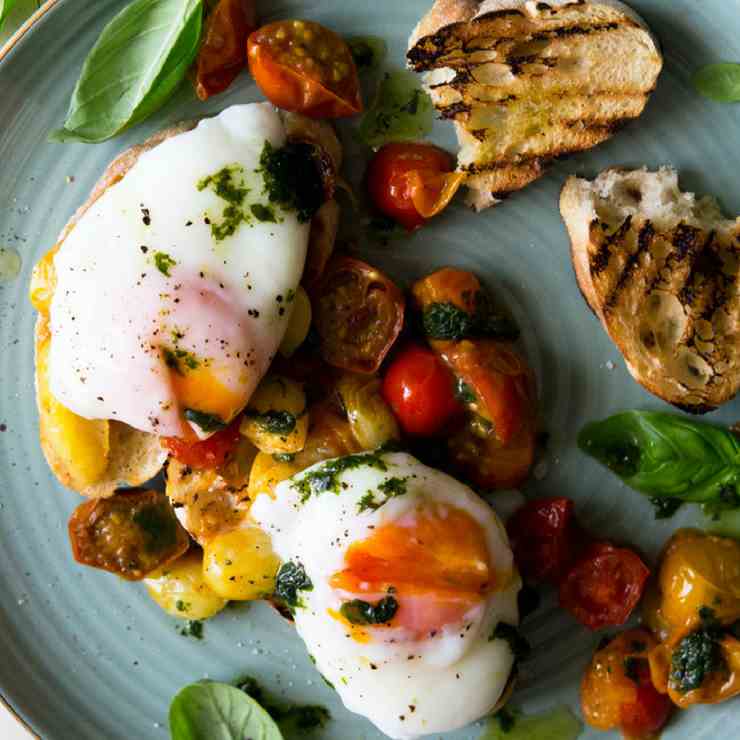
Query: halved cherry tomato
[
  {"x": 358, "y": 313},
  {"x": 302, "y": 66},
  {"x": 221, "y": 56},
  {"x": 499, "y": 380},
  {"x": 545, "y": 537},
  {"x": 412, "y": 182},
  {"x": 420, "y": 390},
  {"x": 206, "y": 454},
  {"x": 131, "y": 533},
  {"x": 604, "y": 586},
  {"x": 616, "y": 691}
]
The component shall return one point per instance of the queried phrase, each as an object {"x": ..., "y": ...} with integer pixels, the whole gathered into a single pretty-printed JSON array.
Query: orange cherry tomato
[
  {"x": 206, "y": 454},
  {"x": 604, "y": 586},
  {"x": 616, "y": 690},
  {"x": 221, "y": 56},
  {"x": 130, "y": 534},
  {"x": 303, "y": 67},
  {"x": 358, "y": 313},
  {"x": 410, "y": 183},
  {"x": 420, "y": 390}
]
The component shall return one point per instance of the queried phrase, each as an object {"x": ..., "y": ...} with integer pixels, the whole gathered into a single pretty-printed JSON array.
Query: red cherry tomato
[
  {"x": 644, "y": 717},
  {"x": 544, "y": 537},
  {"x": 221, "y": 56},
  {"x": 408, "y": 182},
  {"x": 420, "y": 390},
  {"x": 604, "y": 586},
  {"x": 303, "y": 67},
  {"x": 208, "y": 454}
]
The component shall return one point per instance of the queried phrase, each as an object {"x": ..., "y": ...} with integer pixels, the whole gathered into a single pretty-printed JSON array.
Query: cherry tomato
[
  {"x": 617, "y": 692},
  {"x": 420, "y": 390},
  {"x": 604, "y": 586},
  {"x": 402, "y": 176},
  {"x": 358, "y": 313},
  {"x": 644, "y": 717},
  {"x": 206, "y": 454},
  {"x": 544, "y": 537},
  {"x": 303, "y": 67},
  {"x": 500, "y": 383},
  {"x": 131, "y": 533},
  {"x": 221, "y": 56}
]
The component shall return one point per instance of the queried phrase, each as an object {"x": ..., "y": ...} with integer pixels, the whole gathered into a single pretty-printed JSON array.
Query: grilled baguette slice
[
  {"x": 525, "y": 82},
  {"x": 661, "y": 269}
]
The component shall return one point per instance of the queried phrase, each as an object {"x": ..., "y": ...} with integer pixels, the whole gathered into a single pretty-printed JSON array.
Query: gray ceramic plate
[{"x": 87, "y": 656}]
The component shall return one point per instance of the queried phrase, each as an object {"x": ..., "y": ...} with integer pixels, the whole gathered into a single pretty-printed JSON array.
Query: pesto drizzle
[
  {"x": 326, "y": 476},
  {"x": 390, "y": 488},
  {"x": 229, "y": 187}
]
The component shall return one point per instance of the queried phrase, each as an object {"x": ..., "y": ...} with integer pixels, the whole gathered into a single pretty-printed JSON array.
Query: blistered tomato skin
[
  {"x": 391, "y": 186},
  {"x": 207, "y": 454},
  {"x": 420, "y": 390},
  {"x": 544, "y": 537},
  {"x": 616, "y": 690},
  {"x": 604, "y": 586},
  {"x": 303, "y": 67}
]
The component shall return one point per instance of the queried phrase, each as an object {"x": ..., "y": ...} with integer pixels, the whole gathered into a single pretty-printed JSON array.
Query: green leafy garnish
[
  {"x": 158, "y": 526},
  {"x": 401, "y": 111},
  {"x": 448, "y": 321},
  {"x": 666, "y": 456},
  {"x": 274, "y": 422},
  {"x": 719, "y": 82},
  {"x": 556, "y": 724},
  {"x": 326, "y": 477},
  {"x": 5, "y": 7},
  {"x": 389, "y": 488},
  {"x": 207, "y": 422},
  {"x": 266, "y": 214},
  {"x": 463, "y": 392},
  {"x": 290, "y": 580},
  {"x": 292, "y": 178},
  {"x": 208, "y": 710},
  {"x": 141, "y": 57},
  {"x": 164, "y": 263},
  {"x": 694, "y": 658},
  {"x": 367, "y": 51},
  {"x": 519, "y": 646},
  {"x": 228, "y": 185},
  {"x": 363, "y": 612},
  {"x": 665, "y": 508},
  {"x": 294, "y": 720},
  {"x": 283, "y": 456},
  {"x": 193, "y": 628}
]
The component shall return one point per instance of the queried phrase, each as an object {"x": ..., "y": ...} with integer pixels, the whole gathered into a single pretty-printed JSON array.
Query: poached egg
[
  {"x": 407, "y": 575},
  {"x": 175, "y": 287}
]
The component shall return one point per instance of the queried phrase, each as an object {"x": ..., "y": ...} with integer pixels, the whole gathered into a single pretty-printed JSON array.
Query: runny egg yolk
[
  {"x": 201, "y": 389},
  {"x": 435, "y": 561}
]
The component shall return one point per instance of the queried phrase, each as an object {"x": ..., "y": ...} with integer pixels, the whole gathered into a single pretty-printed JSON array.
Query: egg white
[
  {"x": 406, "y": 688},
  {"x": 229, "y": 298}
]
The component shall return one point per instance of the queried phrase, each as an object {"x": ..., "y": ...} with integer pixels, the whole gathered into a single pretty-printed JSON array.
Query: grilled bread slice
[
  {"x": 661, "y": 269},
  {"x": 525, "y": 81}
]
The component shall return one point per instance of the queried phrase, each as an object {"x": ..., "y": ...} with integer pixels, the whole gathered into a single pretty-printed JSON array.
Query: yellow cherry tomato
[
  {"x": 241, "y": 564},
  {"x": 181, "y": 590}
]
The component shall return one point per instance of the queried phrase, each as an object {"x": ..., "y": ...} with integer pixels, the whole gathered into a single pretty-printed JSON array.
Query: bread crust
[
  {"x": 661, "y": 290},
  {"x": 134, "y": 456},
  {"x": 491, "y": 61}
]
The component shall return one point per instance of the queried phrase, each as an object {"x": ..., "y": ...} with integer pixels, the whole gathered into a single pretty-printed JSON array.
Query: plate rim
[{"x": 6, "y": 48}]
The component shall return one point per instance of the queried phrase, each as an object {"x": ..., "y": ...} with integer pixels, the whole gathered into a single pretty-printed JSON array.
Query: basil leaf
[
  {"x": 217, "y": 711},
  {"x": 142, "y": 55},
  {"x": 5, "y": 7},
  {"x": 719, "y": 82},
  {"x": 207, "y": 422},
  {"x": 363, "y": 612},
  {"x": 666, "y": 455}
]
